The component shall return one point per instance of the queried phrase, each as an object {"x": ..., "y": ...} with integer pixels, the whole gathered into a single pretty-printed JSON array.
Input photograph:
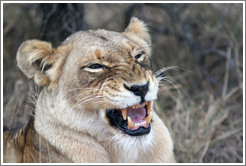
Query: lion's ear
[
  {"x": 138, "y": 28},
  {"x": 34, "y": 58}
]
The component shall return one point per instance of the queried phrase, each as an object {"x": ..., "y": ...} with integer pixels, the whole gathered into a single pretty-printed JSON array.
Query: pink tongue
[{"x": 137, "y": 115}]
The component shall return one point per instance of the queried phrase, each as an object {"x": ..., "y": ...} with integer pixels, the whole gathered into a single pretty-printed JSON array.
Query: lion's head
[{"x": 95, "y": 78}]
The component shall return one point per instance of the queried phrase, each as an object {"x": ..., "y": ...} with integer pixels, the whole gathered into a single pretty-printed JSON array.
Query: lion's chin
[{"x": 134, "y": 120}]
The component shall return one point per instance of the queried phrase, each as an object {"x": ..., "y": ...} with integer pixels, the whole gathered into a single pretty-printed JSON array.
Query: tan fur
[{"x": 70, "y": 123}]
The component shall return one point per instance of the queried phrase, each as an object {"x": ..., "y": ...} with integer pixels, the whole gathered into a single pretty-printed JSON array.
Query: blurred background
[{"x": 201, "y": 99}]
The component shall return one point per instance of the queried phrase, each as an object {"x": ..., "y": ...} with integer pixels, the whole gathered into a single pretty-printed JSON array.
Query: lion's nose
[{"x": 138, "y": 90}]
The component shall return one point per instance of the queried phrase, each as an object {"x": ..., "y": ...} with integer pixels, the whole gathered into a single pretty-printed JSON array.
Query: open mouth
[{"x": 134, "y": 120}]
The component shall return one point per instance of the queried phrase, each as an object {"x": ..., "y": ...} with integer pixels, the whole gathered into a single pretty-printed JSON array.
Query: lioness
[{"x": 96, "y": 102}]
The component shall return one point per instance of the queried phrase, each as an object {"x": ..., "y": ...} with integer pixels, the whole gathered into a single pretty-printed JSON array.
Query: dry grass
[
  {"x": 204, "y": 41},
  {"x": 201, "y": 126}
]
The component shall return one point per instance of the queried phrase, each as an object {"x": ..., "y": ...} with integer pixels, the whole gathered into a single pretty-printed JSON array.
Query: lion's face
[{"x": 102, "y": 72}]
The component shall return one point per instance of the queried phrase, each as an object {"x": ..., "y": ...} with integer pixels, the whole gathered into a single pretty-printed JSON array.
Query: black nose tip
[{"x": 138, "y": 90}]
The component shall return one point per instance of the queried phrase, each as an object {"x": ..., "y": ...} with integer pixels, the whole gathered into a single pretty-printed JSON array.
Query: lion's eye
[
  {"x": 96, "y": 66},
  {"x": 138, "y": 56}
]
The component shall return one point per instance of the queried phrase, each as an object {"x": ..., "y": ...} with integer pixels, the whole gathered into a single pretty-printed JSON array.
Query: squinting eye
[
  {"x": 96, "y": 66},
  {"x": 138, "y": 56}
]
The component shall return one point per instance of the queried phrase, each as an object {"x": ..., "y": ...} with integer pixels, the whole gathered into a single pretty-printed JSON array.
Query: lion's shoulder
[
  {"x": 14, "y": 141},
  {"x": 26, "y": 145}
]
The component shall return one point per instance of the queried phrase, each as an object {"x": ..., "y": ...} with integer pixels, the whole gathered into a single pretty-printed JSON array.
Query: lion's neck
[
  {"x": 72, "y": 141},
  {"x": 57, "y": 134}
]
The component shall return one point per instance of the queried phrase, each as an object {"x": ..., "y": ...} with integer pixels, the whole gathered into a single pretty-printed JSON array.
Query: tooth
[
  {"x": 148, "y": 119},
  {"x": 148, "y": 107},
  {"x": 124, "y": 112},
  {"x": 130, "y": 123}
]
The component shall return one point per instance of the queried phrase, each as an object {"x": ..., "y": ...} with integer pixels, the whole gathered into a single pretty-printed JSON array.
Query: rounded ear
[
  {"x": 34, "y": 57},
  {"x": 138, "y": 28}
]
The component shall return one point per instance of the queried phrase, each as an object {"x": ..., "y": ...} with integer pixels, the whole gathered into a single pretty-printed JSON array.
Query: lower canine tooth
[
  {"x": 124, "y": 112},
  {"x": 130, "y": 123}
]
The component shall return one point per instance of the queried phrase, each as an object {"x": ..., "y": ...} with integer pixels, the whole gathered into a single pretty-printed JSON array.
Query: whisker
[
  {"x": 160, "y": 71},
  {"x": 81, "y": 89},
  {"x": 165, "y": 77},
  {"x": 174, "y": 87},
  {"x": 160, "y": 78},
  {"x": 87, "y": 91},
  {"x": 80, "y": 94},
  {"x": 93, "y": 95},
  {"x": 91, "y": 99},
  {"x": 83, "y": 100}
]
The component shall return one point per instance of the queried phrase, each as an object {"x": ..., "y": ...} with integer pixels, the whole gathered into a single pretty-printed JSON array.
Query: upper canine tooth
[
  {"x": 148, "y": 119},
  {"x": 124, "y": 112},
  {"x": 148, "y": 107},
  {"x": 130, "y": 123}
]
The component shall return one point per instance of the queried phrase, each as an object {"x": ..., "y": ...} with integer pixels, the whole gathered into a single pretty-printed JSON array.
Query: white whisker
[
  {"x": 88, "y": 97},
  {"x": 87, "y": 91},
  {"x": 91, "y": 99},
  {"x": 82, "y": 89},
  {"x": 160, "y": 78},
  {"x": 160, "y": 71},
  {"x": 93, "y": 95},
  {"x": 83, "y": 100},
  {"x": 164, "y": 77},
  {"x": 174, "y": 87}
]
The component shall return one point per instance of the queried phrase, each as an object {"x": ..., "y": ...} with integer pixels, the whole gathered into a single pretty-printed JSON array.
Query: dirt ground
[{"x": 201, "y": 99}]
